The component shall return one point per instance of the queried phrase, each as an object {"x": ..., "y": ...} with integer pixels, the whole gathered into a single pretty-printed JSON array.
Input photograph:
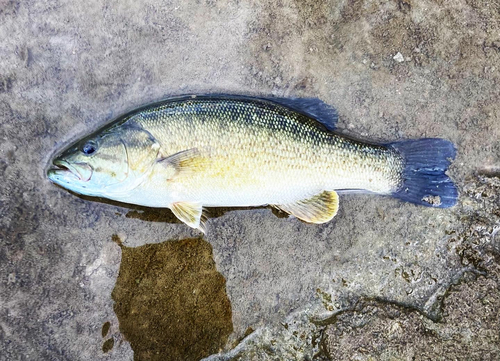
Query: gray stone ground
[{"x": 394, "y": 69}]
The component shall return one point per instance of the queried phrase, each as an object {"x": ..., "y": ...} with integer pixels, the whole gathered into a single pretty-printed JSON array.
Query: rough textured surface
[
  {"x": 470, "y": 324},
  {"x": 394, "y": 69},
  {"x": 469, "y": 330}
]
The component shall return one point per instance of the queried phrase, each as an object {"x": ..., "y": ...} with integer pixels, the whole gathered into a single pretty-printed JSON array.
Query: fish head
[{"x": 107, "y": 163}]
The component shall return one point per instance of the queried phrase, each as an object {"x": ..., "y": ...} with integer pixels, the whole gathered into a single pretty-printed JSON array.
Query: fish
[{"x": 190, "y": 152}]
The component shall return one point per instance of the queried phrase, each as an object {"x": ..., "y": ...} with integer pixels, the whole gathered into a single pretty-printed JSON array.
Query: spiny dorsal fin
[
  {"x": 190, "y": 213},
  {"x": 319, "y": 209},
  {"x": 312, "y": 107}
]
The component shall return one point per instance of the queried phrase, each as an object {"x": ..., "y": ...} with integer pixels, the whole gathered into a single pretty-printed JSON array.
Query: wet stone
[{"x": 66, "y": 68}]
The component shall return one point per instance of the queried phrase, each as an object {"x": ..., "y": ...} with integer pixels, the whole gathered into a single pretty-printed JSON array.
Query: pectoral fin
[
  {"x": 190, "y": 213},
  {"x": 319, "y": 209},
  {"x": 189, "y": 160}
]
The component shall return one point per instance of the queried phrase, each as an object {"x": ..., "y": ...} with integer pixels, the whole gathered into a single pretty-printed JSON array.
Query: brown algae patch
[{"x": 171, "y": 302}]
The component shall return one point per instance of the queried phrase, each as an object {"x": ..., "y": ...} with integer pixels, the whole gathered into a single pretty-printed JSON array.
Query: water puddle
[{"x": 171, "y": 301}]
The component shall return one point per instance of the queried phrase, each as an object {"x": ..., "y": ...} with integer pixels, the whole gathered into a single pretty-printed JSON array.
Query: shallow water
[
  {"x": 171, "y": 302},
  {"x": 66, "y": 68}
]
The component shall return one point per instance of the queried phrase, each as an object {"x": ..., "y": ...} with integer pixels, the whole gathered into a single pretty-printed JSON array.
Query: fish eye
[{"x": 89, "y": 148}]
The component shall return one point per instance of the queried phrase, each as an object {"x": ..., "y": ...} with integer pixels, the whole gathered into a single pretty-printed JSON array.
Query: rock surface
[
  {"x": 468, "y": 327},
  {"x": 354, "y": 286}
]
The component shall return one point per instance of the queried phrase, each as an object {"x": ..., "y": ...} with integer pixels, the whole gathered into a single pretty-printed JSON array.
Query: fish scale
[{"x": 259, "y": 153}]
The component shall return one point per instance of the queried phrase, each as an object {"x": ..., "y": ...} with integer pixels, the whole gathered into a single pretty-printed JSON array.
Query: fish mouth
[{"x": 80, "y": 171}]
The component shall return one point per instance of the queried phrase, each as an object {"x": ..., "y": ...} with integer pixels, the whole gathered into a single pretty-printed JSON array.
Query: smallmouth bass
[{"x": 191, "y": 152}]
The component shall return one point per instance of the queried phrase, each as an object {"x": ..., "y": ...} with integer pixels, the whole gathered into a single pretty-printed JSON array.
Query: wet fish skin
[{"x": 190, "y": 152}]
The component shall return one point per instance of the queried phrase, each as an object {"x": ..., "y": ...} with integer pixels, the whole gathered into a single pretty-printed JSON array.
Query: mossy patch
[{"x": 171, "y": 302}]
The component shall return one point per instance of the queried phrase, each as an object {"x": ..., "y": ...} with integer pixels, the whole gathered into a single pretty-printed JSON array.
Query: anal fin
[
  {"x": 318, "y": 209},
  {"x": 190, "y": 213}
]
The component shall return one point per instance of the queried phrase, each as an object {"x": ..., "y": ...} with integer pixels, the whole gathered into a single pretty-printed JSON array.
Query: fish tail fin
[{"x": 424, "y": 177}]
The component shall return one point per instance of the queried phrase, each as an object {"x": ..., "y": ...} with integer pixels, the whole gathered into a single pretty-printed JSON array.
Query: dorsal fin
[
  {"x": 320, "y": 208},
  {"x": 312, "y": 107}
]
